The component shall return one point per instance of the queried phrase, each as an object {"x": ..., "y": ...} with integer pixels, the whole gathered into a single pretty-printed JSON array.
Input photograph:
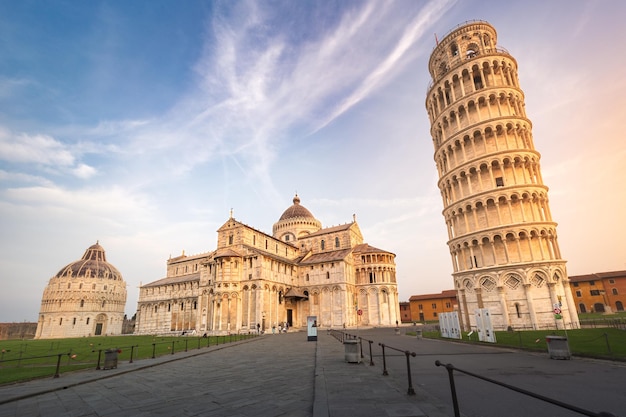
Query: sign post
[{"x": 311, "y": 327}]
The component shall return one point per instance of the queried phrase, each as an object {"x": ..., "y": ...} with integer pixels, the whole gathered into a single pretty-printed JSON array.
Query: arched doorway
[{"x": 100, "y": 324}]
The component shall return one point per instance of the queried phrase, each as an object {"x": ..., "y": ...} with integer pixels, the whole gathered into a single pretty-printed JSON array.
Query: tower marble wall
[{"x": 502, "y": 238}]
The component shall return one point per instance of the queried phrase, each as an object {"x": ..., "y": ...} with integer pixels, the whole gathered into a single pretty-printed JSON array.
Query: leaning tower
[{"x": 502, "y": 238}]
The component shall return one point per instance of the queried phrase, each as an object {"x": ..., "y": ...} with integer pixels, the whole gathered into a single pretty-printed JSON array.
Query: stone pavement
[{"x": 271, "y": 375}]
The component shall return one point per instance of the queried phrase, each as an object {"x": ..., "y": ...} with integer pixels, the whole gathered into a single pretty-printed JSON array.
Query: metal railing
[
  {"x": 26, "y": 367},
  {"x": 455, "y": 403},
  {"x": 343, "y": 336}
]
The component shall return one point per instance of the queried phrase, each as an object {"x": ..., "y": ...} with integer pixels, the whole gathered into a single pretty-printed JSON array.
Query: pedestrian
[
  {"x": 258, "y": 328},
  {"x": 273, "y": 329}
]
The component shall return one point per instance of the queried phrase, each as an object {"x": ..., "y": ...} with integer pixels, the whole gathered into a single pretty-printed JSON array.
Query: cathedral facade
[
  {"x": 85, "y": 298},
  {"x": 254, "y": 281},
  {"x": 502, "y": 238}
]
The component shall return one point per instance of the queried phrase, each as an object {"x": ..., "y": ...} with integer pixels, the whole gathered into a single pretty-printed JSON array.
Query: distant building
[
  {"x": 427, "y": 307},
  {"x": 24, "y": 330},
  {"x": 405, "y": 312},
  {"x": 85, "y": 298},
  {"x": 258, "y": 281},
  {"x": 602, "y": 292},
  {"x": 502, "y": 238}
]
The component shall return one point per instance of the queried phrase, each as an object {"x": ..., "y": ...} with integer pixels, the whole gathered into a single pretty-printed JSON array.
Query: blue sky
[{"x": 142, "y": 124}]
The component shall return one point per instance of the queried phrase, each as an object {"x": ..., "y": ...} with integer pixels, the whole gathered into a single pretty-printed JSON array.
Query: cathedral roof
[
  {"x": 329, "y": 230},
  {"x": 174, "y": 280},
  {"x": 93, "y": 264},
  {"x": 331, "y": 256},
  {"x": 296, "y": 210},
  {"x": 365, "y": 248},
  {"x": 226, "y": 253}
]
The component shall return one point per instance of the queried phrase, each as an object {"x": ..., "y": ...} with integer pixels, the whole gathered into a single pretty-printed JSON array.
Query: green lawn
[
  {"x": 28, "y": 359},
  {"x": 604, "y": 343}
]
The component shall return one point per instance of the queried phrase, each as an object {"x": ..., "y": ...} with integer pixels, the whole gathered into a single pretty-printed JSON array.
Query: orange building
[
  {"x": 428, "y": 306},
  {"x": 405, "y": 312},
  {"x": 603, "y": 292}
]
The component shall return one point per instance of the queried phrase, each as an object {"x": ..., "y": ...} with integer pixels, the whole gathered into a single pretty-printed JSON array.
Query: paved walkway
[{"x": 272, "y": 375}]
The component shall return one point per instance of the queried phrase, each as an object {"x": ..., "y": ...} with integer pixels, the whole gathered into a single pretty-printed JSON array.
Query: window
[
  {"x": 61, "y": 321},
  {"x": 87, "y": 322},
  {"x": 420, "y": 306},
  {"x": 592, "y": 283},
  {"x": 230, "y": 239},
  {"x": 448, "y": 305},
  {"x": 595, "y": 292},
  {"x": 103, "y": 303},
  {"x": 286, "y": 238},
  {"x": 307, "y": 277},
  {"x": 336, "y": 242},
  {"x": 82, "y": 303},
  {"x": 499, "y": 182},
  {"x": 517, "y": 311},
  {"x": 322, "y": 244},
  {"x": 575, "y": 284},
  {"x": 614, "y": 291},
  {"x": 169, "y": 307},
  {"x": 579, "y": 293},
  {"x": 74, "y": 320},
  {"x": 434, "y": 306},
  {"x": 327, "y": 275}
]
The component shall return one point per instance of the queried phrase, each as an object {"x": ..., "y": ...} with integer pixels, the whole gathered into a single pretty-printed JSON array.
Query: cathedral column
[
  {"x": 463, "y": 306},
  {"x": 553, "y": 301},
  {"x": 531, "y": 305},
  {"x": 503, "y": 306},
  {"x": 569, "y": 301}
]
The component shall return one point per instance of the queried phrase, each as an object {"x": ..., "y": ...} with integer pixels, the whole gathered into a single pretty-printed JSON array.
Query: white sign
[
  {"x": 311, "y": 327},
  {"x": 484, "y": 326},
  {"x": 449, "y": 325}
]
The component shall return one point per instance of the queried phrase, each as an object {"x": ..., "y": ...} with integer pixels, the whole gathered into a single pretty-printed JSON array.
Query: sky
[{"x": 140, "y": 125}]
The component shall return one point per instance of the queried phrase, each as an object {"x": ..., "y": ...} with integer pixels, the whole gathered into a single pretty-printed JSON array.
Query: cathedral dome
[
  {"x": 93, "y": 264},
  {"x": 296, "y": 210},
  {"x": 296, "y": 221}
]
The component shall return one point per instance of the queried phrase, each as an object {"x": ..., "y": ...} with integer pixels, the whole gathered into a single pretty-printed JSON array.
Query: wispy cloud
[
  {"x": 43, "y": 151},
  {"x": 259, "y": 88},
  {"x": 113, "y": 202}
]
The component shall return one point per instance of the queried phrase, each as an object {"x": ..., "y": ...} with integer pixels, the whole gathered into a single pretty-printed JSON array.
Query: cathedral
[{"x": 254, "y": 281}]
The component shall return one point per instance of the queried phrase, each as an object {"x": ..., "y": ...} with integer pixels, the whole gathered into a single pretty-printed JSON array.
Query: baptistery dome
[
  {"x": 92, "y": 264},
  {"x": 85, "y": 298}
]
